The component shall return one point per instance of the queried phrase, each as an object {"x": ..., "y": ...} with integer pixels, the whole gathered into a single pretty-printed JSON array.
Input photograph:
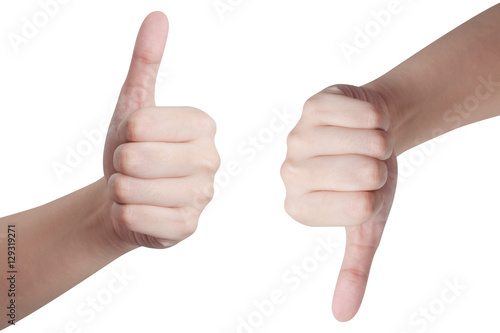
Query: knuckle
[
  {"x": 208, "y": 191},
  {"x": 374, "y": 173},
  {"x": 313, "y": 105},
  {"x": 291, "y": 208},
  {"x": 189, "y": 224},
  {"x": 119, "y": 187},
  {"x": 379, "y": 145},
  {"x": 210, "y": 125},
  {"x": 296, "y": 141},
  {"x": 363, "y": 207},
  {"x": 126, "y": 215},
  {"x": 296, "y": 211},
  {"x": 134, "y": 96},
  {"x": 373, "y": 116},
  {"x": 126, "y": 158},
  {"x": 205, "y": 121},
  {"x": 355, "y": 275},
  {"x": 137, "y": 125},
  {"x": 194, "y": 111},
  {"x": 203, "y": 196},
  {"x": 288, "y": 172},
  {"x": 117, "y": 158},
  {"x": 210, "y": 163},
  {"x": 216, "y": 161}
]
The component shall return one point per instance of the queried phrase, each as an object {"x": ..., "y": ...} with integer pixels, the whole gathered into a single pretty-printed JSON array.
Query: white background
[{"x": 261, "y": 56}]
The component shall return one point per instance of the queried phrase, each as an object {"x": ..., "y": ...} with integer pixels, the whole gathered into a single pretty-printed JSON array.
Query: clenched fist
[
  {"x": 159, "y": 162},
  {"x": 340, "y": 170}
]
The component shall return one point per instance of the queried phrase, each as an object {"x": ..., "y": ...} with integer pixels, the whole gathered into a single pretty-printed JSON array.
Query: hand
[
  {"x": 159, "y": 162},
  {"x": 341, "y": 170}
]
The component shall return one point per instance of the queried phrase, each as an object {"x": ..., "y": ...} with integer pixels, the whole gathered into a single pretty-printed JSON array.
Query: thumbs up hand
[
  {"x": 340, "y": 170},
  {"x": 159, "y": 162}
]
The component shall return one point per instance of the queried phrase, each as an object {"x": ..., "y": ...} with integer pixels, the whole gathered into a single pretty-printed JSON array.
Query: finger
[
  {"x": 139, "y": 87},
  {"x": 334, "y": 140},
  {"x": 361, "y": 244},
  {"x": 326, "y": 108},
  {"x": 162, "y": 222},
  {"x": 340, "y": 173},
  {"x": 167, "y": 124},
  {"x": 330, "y": 209},
  {"x": 164, "y": 192},
  {"x": 157, "y": 159}
]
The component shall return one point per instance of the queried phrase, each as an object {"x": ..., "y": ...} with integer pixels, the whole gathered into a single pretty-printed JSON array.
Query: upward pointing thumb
[{"x": 138, "y": 91}]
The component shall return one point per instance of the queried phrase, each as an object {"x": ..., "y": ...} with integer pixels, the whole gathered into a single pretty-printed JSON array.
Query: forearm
[
  {"x": 57, "y": 246},
  {"x": 453, "y": 82}
]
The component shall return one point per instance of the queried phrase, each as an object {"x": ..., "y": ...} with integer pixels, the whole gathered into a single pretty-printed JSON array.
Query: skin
[
  {"x": 159, "y": 165},
  {"x": 341, "y": 167}
]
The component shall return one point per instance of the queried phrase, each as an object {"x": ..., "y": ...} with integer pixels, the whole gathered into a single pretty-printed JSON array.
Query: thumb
[
  {"x": 138, "y": 91},
  {"x": 361, "y": 244}
]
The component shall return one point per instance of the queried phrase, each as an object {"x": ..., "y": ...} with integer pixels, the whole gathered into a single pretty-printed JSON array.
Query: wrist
[
  {"x": 99, "y": 222},
  {"x": 69, "y": 240},
  {"x": 400, "y": 109}
]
